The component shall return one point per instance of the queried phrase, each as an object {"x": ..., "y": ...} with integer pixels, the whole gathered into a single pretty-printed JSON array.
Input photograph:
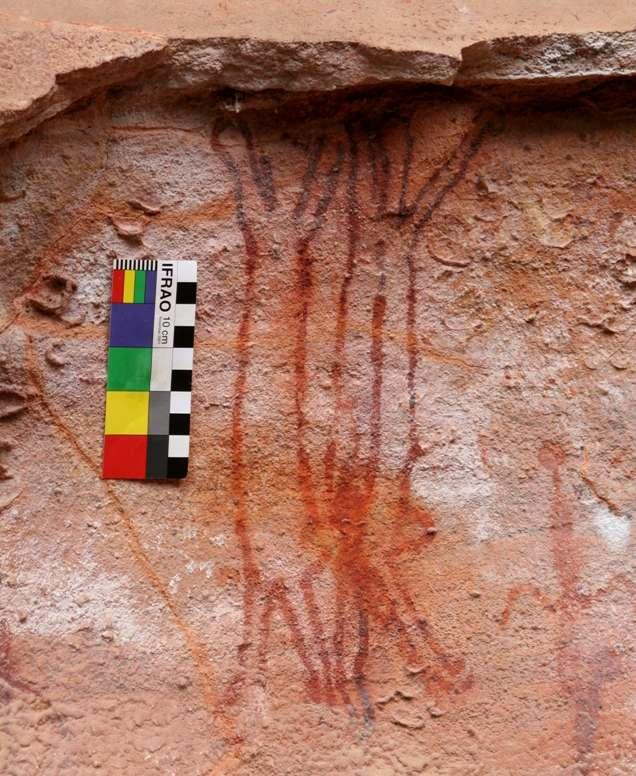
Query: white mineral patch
[
  {"x": 614, "y": 529},
  {"x": 205, "y": 566},
  {"x": 81, "y": 596},
  {"x": 453, "y": 476}
]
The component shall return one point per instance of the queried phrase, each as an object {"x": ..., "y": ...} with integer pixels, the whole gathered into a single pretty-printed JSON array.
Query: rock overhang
[{"x": 50, "y": 64}]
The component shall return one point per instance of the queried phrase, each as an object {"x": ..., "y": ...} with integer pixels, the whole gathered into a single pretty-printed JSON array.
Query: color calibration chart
[{"x": 149, "y": 373}]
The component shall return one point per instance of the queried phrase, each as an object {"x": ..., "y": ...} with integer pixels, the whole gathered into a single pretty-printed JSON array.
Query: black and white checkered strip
[
  {"x": 179, "y": 434},
  {"x": 184, "y": 314},
  {"x": 149, "y": 265},
  {"x": 181, "y": 378}
]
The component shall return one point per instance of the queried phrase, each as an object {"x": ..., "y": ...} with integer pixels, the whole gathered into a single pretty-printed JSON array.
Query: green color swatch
[
  {"x": 129, "y": 368},
  {"x": 140, "y": 286}
]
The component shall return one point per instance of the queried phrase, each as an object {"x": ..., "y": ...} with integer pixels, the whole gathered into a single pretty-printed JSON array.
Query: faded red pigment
[{"x": 403, "y": 544}]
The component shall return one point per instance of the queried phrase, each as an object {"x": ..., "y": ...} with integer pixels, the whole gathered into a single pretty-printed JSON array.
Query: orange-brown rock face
[{"x": 405, "y": 542}]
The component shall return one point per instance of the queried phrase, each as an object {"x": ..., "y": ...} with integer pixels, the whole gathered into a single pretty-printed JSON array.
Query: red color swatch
[
  {"x": 125, "y": 457},
  {"x": 118, "y": 285}
]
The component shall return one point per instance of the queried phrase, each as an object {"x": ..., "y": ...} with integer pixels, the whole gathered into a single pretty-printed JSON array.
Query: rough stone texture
[
  {"x": 405, "y": 543},
  {"x": 404, "y": 25},
  {"x": 45, "y": 69},
  {"x": 546, "y": 59},
  {"x": 55, "y": 53}
]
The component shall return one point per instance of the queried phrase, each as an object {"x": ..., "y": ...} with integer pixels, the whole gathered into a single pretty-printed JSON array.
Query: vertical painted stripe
[
  {"x": 129, "y": 286},
  {"x": 151, "y": 281},
  {"x": 118, "y": 286},
  {"x": 140, "y": 286}
]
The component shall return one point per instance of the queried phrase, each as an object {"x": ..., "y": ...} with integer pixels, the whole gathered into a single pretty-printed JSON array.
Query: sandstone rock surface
[
  {"x": 56, "y": 53},
  {"x": 405, "y": 545}
]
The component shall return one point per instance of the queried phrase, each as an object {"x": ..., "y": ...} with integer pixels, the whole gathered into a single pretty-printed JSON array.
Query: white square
[
  {"x": 180, "y": 402},
  {"x": 178, "y": 446},
  {"x": 187, "y": 271},
  {"x": 184, "y": 315},
  {"x": 182, "y": 358},
  {"x": 161, "y": 375}
]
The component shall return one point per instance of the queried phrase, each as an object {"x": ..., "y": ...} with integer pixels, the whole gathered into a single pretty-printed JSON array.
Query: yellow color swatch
[
  {"x": 129, "y": 286},
  {"x": 126, "y": 412}
]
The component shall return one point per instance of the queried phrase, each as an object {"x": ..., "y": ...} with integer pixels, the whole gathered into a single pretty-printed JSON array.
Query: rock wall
[{"x": 405, "y": 542}]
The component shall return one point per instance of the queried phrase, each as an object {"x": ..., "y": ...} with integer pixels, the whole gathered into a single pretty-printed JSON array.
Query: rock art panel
[{"x": 404, "y": 543}]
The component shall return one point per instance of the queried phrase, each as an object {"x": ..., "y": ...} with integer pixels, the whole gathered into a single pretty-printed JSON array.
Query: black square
[
  {"x": 177, "y": 468},
  {"x": 181, "y": 380},
  {"x": 157, "y": 457},
  {"x": 179, "y": 423},
  {"x": 186, "y": 293},
  {"x": 183, "y": 337}
]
